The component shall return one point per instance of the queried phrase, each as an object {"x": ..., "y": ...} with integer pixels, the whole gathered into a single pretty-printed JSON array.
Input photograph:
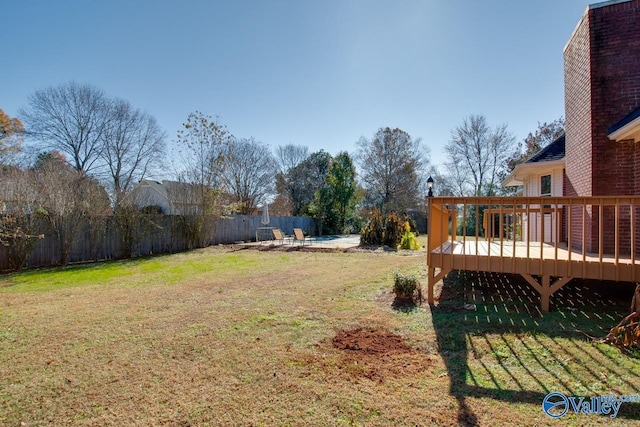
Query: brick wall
[
  {"x": 577, "y": 94},
  {"x": 602, "y": 86},
  {"x": 615, "y": 81}
]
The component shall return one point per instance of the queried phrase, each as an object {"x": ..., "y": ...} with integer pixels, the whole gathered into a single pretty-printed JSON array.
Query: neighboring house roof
[
  {"x": 172, "y": 197},
  {"x": 166, "y": 188},
  {"x": 551, "y": 155},
  {"x": 154, "y": 185},
  {"x": 165, "y": 194},
  {"x": 627, "y": 128},
  {"x": 553, "y": 151}
]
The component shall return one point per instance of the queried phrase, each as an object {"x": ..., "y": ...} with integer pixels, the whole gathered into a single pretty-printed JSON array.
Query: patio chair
[
  {"x": 279, "y": 235},
  {"x": 298, "y": 236}
]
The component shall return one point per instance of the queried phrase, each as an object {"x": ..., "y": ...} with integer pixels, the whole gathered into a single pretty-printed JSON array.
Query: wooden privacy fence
[
  {"x": 541, "y": 238},
  {"x": 158, "y": 235}
]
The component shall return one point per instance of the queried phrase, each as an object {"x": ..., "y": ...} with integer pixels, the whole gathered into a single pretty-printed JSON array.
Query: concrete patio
[{"x": 342, "y": 241}]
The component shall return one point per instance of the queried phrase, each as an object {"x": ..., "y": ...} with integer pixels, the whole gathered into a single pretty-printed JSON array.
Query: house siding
[{"x": 531, "y": 187}]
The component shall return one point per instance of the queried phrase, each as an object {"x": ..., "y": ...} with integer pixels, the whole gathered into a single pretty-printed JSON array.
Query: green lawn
[{"x": 246, "y": 337}]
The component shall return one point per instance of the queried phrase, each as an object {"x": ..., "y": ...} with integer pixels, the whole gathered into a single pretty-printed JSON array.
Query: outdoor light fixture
[{"x": 430, "y": 187}]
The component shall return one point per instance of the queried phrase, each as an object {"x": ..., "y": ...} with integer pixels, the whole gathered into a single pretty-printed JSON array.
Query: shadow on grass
[
  {"x": 403, "y": 305},
  {"x": 497, "y": 344}
]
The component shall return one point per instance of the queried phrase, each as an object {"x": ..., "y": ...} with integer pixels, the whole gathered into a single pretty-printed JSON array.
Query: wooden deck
[
  {"x": 606, "y": 224},
  {"x": 535, "y": 258}
]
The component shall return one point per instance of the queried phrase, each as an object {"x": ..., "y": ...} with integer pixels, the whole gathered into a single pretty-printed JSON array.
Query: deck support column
[
  {"x": 545, "y": 293},
  {"x": 546, "y": 288},
  {"x": 432, "y": 279},
  {"x": 430, "y": 284}
]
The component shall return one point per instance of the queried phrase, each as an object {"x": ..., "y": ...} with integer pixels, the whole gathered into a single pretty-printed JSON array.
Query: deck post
[
  {"x": 430, "y": 284},
  {"x": 546, "y": 288},
  {"x": 432, "y": 279},
  {"x": 545, "y": 293}
]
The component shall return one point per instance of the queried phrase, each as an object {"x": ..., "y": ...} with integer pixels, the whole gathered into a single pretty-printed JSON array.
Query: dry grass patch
[
  {"x": 227, "y": 337},
  {"x": 211, "y": 337}
]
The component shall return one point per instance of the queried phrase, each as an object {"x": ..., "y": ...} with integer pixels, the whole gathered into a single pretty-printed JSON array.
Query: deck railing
[{"x": 588, "y": 237}]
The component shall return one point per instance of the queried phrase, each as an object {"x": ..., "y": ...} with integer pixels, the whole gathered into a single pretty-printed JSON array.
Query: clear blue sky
[{"x": 314, "y": 73}]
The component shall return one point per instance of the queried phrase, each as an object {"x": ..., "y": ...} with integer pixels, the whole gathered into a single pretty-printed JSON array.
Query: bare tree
[
  {"x": 478, "y": 153},
  {"x": 70, "y": 118},
  {"x": 390, "y": 169},
  {"x": 20, "y": 227},
  {"x": 67, "y": 198},
  {"x": 133, "y": 145},
  {"x": 454, "y": 182},
  {"x": 196, "y": 208},
  {"x": 203, "y": 143},
  {"x": 249, "y": 173},
  {"x": 544, "y": 135},
  {"x": 289, "y": 156}
]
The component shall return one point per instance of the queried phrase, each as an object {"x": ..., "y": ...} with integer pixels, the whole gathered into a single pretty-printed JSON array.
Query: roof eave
[
  {"x": 629, "y": 131},
  {"x": 523, "y": 170},
  {"x": 511, "y": 180}
]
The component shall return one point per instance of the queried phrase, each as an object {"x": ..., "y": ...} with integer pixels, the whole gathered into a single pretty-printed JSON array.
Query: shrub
[
  {"x": 409, "y": 241},
  {"x": 17, "y": 234},
  {"x": 126, "y": 218},
  {"x": 393, "y": 230},
  {"x": 372, "y": 234},
  {"x": 405, "y": 286},
  {"x": 389, "y": 232},
  {"x": 411, "y": 223}
]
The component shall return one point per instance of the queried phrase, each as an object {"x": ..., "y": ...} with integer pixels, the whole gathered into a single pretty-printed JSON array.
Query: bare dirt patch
[
  {"x": 370, "y": 341},
  {"x": 369, "y": 353}
]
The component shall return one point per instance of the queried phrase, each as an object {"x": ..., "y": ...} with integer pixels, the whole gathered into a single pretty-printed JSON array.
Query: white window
[{"x": 545, "y": 185}]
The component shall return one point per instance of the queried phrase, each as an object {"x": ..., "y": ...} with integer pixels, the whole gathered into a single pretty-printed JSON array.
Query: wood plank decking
[{"x": 533, "y": 258}]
